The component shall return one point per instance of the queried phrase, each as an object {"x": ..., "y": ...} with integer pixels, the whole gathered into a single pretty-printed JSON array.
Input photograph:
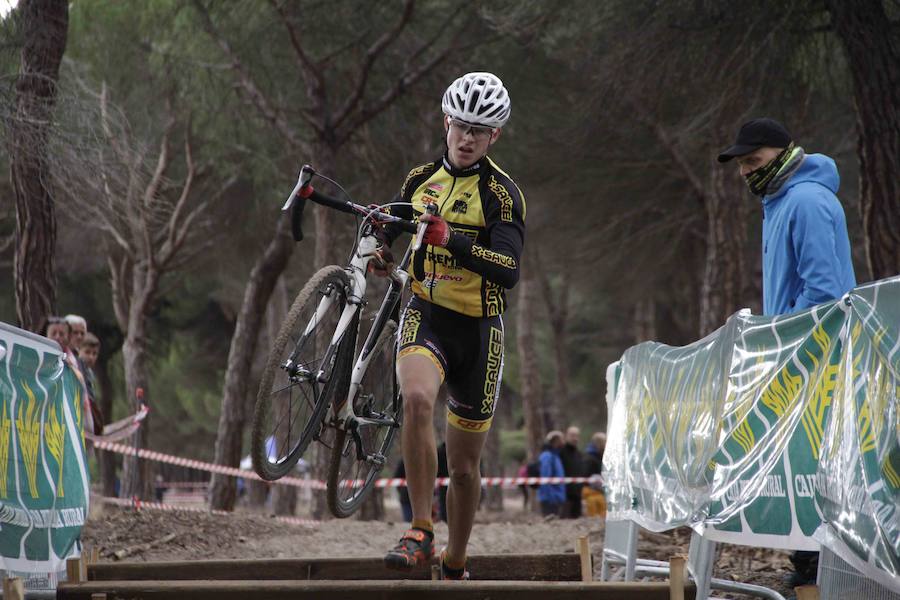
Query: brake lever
[
  {"x": 431, "y": 208},
  {"x": 306, "y": 173}
]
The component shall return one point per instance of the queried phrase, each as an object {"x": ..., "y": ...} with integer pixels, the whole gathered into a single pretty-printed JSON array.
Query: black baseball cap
[{"x": 756, "y": 134}]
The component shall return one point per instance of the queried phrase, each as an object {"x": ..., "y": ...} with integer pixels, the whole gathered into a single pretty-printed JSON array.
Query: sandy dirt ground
[{"x": 154, "y": 536}]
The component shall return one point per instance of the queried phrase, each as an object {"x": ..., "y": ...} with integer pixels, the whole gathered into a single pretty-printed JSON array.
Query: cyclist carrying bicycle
[{"x": 451, "y": 331}]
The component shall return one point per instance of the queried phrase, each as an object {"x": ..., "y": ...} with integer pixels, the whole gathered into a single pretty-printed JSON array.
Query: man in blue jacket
[
  {"x": 552, "y": 496},
  {"x": 806, "y": 249}
]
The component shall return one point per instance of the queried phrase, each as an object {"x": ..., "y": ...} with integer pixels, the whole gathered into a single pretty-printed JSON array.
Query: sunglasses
[{"x": 479, "y": 133}]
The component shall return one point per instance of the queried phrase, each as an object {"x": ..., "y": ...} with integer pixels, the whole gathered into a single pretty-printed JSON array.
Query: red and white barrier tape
[
  {"x": 318, "y": 484},
  {"x": 141, "y": 505},
  {"x": 204, "y": 466}
]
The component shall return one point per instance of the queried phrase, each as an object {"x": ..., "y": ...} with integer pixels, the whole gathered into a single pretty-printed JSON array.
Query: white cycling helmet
[{"x": 478, "y": 99}]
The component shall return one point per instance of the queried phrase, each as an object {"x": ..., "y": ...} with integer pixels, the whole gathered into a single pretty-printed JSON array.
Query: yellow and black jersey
[{"x": 486, "y": 213}]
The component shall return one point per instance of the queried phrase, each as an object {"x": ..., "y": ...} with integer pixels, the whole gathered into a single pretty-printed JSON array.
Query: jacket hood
[{"x": 815, "y": 168}]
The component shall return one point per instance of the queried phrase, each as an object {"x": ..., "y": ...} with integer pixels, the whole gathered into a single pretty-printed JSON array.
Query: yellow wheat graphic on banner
[
  {"x": 78, "y": 408},
  {"x": 743, "y": 435},
  {"x": 890, "y": 473},
  {"x": 28, "y": 426},
  {"x": 813, "y": 418},
  {"x": 5, "y": 428},
  {"x": 784, "y": 391},
  {"x": 55, "y": 433}
]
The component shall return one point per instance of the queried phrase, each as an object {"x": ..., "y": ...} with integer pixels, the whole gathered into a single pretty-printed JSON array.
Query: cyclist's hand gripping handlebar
[{"x": 430, "y": 209}]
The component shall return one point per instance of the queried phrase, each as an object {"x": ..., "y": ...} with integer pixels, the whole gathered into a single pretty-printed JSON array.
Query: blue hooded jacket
[
  {"x": 551, "y": 466},
  {"x": 806, "y": 249}
]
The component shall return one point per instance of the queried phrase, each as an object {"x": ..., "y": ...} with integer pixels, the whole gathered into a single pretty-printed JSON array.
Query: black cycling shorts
[{"x": 468, "y": 351}]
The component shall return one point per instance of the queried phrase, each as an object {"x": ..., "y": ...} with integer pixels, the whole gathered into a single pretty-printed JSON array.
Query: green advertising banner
[
  {"x": 44, "y": 487},
  {"x": 775, "y": 432}
]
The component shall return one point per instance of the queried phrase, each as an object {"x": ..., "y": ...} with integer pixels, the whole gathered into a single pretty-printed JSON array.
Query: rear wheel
[
  {"x": 292, "y": 401},
  {"x": 360, "y": 453}
]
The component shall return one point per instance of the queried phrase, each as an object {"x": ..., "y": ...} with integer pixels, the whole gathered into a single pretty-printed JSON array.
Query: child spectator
[{"x": 594, "y": 498}]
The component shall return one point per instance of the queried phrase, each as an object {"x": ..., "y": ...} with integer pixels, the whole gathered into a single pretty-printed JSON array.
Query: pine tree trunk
[
  {"x": 244, "y": 346},
  {"x": 874, "y": 59},
  {"x": 723, "y": 269},
  {"x": 135, "y": 472},
  {"x": 45, "y": 24},
  {"x": 106, "y": 458},
  {"x": 531, "y": 385}
]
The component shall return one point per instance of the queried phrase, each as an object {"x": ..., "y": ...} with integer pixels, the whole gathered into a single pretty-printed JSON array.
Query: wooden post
[
  {"x": 676, "y": 578},
  {"x": 807, "y": 592},
  {"x": 583, "y": 548},
  {"x": 435, "y": 572},
  {"x": 13, "y": 589},
  {"x": 75, "y": 570},
  {"x": 93, "y": 556}
]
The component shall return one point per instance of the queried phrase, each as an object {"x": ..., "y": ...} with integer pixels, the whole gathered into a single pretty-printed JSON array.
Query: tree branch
[
  {"x": 252, "y": 91},
  {"x": 315, "y": 81},
  {"x": 406, "y": 79},
  {"x": 372, "y": 54},
  {"x": 117, "y": 274}
]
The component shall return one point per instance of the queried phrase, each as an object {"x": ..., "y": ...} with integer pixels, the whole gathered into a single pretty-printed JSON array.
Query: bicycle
[{"x": 313, "y": 355}]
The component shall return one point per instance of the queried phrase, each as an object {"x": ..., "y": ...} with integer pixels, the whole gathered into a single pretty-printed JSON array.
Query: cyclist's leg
[
  {"x": 419, "y": 381},
  {"x": 463, "y": 457},
  {"x": 475, "y": 390},
  {"x": 421, "y": 366},
  {"x": 420, "y": 373}
]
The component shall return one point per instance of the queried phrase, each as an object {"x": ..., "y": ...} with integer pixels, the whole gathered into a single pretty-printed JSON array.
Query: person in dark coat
[{"x": 573, "y": 466}]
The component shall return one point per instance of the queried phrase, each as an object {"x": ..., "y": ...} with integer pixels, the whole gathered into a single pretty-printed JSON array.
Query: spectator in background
[
  {"x": 78, "y": 329},
  {"x": 594, "y": 499},
  {"x": 573, "y": 466},
  {"x": 522, "y": 473},
  {"x": 89, "y": 351},
  {"x": 552, "y": 496},
  {"x": 806, "y": 257},
  {"x": 58, "y": 330},
  {"x": 87, "y": 356}
]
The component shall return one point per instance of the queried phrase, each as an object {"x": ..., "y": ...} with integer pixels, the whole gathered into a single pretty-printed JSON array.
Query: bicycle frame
[{"x": 344, "y": 416}]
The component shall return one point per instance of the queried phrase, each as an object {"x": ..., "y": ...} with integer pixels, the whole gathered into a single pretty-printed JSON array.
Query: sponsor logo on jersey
[
  {"x": 468, "y": 425},
  {"x": 495, "y": 257},
  {"x": 506, "y": 202},
  {"x": 412, "y": 174},
  {"x": 412, "y": 318},
  {"x": 437, "y": 187},
  {"x": 459, "y": 206},
  {"x": 492, "y": 373},
  {"x": 432, "y": 279},
  {"x": 430, "y": 192}
]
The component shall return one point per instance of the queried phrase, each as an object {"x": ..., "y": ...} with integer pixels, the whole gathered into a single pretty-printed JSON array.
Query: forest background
[{"x": 148, "y": 147}]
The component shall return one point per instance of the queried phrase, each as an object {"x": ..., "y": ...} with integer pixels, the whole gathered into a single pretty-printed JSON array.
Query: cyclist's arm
[
  {"x": 405, "y": 210},
  {"x": 506, "y": 228}
]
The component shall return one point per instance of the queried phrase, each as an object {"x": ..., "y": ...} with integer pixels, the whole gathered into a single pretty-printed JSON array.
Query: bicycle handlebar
[{"x": 303, "y": 191}]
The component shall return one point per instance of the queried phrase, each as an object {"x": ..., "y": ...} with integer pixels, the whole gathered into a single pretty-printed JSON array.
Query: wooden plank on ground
[
  {"x": 503, "y": 567},
  {"x": 368, "y": 590}
]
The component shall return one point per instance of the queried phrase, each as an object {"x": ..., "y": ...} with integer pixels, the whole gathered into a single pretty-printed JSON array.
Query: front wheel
[
  {"x": 360, "y": 453},
  {"x": 293, "y": 399}
]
